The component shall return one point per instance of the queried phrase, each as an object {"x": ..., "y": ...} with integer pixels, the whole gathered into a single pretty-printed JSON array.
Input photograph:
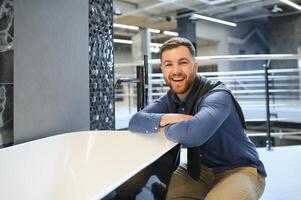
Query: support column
[
  {"x": 141, "y": 47},
  {"x": 187, "y": 29}
]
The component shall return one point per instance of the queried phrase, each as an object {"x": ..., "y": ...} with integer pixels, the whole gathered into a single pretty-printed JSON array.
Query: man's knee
[
  {"x": 240, "y": 185},
  {"x": 182, "y": 186}
]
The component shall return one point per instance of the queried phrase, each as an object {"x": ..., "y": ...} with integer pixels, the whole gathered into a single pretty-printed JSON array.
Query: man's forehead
[
  {"x": 179, "y": 58},
  {"x": 180, "y": 47}
]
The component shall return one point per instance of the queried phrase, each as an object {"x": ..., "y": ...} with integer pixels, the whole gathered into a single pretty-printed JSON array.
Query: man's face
[{"x": 179, "y": 69}]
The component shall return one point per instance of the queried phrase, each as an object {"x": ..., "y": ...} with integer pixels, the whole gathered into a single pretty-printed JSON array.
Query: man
[{"x": 204, "y": 117}]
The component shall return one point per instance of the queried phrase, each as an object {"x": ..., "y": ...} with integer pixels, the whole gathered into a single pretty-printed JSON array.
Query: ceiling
[{"x": 163, "y": 14}]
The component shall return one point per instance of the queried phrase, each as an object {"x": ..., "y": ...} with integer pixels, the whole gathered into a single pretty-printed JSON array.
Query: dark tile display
[
  {"x": 102, "y": 108},
  {"x": 6, "y": 72}
]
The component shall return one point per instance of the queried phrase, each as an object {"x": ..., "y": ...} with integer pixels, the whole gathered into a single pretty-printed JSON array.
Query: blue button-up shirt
[{"x": 216, "y": 128}]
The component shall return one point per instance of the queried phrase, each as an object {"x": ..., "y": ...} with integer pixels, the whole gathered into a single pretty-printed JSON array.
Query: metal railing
[{"x": 246, "y": 85}]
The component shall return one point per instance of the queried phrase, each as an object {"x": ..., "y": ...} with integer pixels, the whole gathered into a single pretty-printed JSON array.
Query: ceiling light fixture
[
  {"x": 214, "y": 2},
  {"x": 291, "y": 4},
  {"x": 154, "y": 30},
  {"x": 156, "y": 44},
  {"x": 121, "y": 41},
  {"x": 171, "y": 33},
  {"x": 117, "y": 11},
  {"x": 276, "y": 9},
  {"x": 197, "y": 16},
  {"x": 126, "y": 26}
]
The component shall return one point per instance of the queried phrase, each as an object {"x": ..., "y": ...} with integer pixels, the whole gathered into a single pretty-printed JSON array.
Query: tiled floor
[{"x": 284, "y": 175}]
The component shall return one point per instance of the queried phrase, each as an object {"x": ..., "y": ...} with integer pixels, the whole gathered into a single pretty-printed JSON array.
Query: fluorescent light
[
  {"x": 154, "y": 30},
  {"x": 123, "y": 41},
  {"x": 171, "y": 33},
  {"x": 210, "y": 2},
  {"x": 291, "y": 4},
  {"x": 131, "y": 42},
  {"x": 213, "y": 20},
  {"x": 156, "y": 44},
  {"x": 126, "y": 26}
]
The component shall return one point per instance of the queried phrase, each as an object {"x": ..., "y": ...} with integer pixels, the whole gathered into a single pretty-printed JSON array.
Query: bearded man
[{"x": 203, "y": 116}]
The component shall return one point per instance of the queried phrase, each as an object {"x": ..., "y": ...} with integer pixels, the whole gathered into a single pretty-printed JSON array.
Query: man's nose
[{"x": 176, "y": 69}]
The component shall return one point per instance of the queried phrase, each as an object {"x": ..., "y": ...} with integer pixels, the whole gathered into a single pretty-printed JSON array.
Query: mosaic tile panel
[
  {"x": 6, "y": 72},
  {"x": 102, "y": 108}
]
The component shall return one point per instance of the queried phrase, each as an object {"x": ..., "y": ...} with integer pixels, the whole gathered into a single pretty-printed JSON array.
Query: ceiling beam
[{"x": 145, "y": 6}]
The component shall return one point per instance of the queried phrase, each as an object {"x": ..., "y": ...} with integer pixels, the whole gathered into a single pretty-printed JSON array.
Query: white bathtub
[{"x": 80, "y": 165}]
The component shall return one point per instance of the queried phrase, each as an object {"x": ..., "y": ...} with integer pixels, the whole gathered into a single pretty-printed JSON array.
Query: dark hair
[{"x": 175, "y": 42}]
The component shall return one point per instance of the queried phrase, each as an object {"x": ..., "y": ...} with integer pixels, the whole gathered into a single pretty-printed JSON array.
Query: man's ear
[{"x": 196, "y": 66}]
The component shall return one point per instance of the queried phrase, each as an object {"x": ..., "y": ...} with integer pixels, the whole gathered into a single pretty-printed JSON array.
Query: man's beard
[{"x": 187, "y": 86}]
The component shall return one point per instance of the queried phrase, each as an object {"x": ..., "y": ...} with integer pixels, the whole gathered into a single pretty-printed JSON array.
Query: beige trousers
[{"x": 243, "y": 183}]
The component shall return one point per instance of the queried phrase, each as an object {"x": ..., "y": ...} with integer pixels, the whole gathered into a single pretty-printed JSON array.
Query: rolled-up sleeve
[
  {"x": 213, "y": 110},
  {"x": 148, "y": 119}
]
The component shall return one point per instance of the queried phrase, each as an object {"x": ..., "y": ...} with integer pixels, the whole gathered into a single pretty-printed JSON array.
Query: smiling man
[{"x": 222, "y": 163}]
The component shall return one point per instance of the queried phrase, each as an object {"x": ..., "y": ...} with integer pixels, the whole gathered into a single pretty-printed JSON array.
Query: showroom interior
[{"x": 74, "y": 66}]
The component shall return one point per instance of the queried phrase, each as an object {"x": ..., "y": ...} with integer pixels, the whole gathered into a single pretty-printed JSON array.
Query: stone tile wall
[
  {"x": 6, "y": 72},
  {"x": 102, "y": 114}
]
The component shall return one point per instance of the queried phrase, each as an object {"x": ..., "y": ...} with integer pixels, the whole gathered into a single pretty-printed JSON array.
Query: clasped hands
[{"x": 172, "y": 118}]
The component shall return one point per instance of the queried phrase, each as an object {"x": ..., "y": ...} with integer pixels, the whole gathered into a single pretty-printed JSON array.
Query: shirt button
[{"x": 146, "y": 131}]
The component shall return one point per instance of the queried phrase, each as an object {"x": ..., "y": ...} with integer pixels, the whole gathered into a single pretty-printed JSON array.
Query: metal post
[
  {"x": 140, "y": 87},
  {"x": 129, "y": 98},
  {"x": 267, "y": 99},
  {"x": 299, "y": 67},
  {"x": 146, "y": 79}
]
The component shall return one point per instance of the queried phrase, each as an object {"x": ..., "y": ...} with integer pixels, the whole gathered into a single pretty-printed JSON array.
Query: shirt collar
[{"x": 178, "y": 102}]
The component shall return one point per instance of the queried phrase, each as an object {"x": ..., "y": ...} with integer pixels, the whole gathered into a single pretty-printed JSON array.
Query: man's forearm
[
  {"x": 173, "y": 118},
  {"x": 145, "y": 122},
  {"x": 150, "y": 122}
]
